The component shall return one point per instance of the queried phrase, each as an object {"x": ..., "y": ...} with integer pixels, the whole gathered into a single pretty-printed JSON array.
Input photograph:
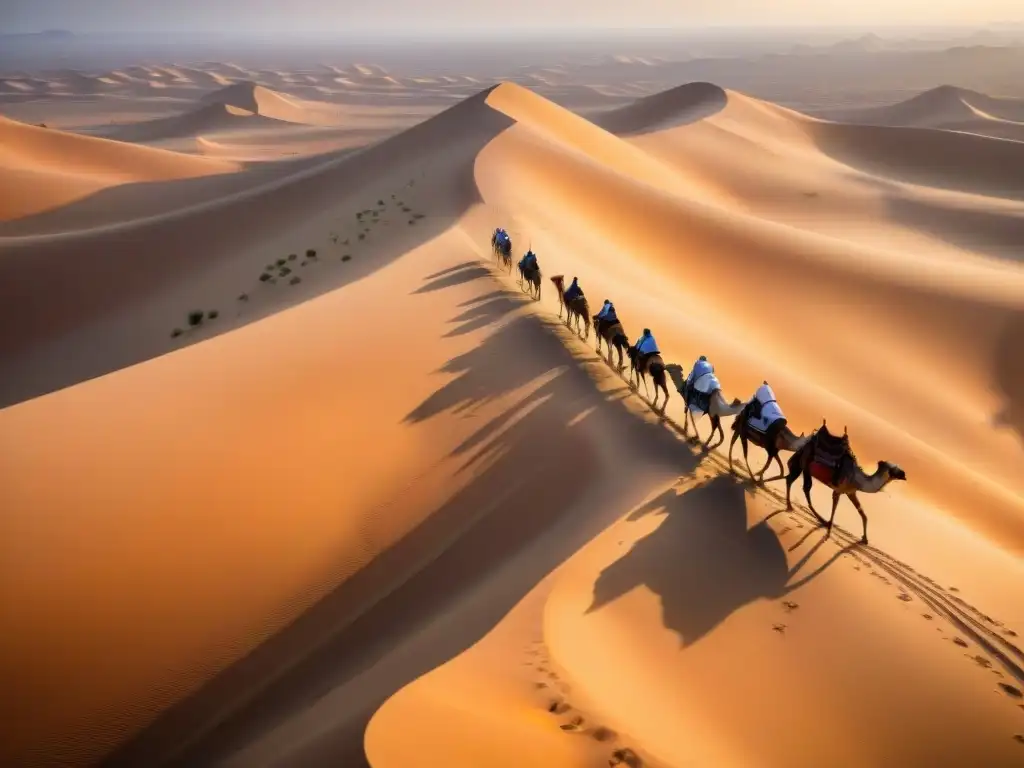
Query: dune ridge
[{"x": 481, "y": 546}]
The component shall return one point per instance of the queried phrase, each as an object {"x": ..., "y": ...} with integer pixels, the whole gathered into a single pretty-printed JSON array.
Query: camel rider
[
  {"x": 573, "y": 292},
  {"x": 765, "y": 410},
  {"x": 607, "y": 317},
  {"x": 700, "y": 368},
  {"x": 645, "y": 347},
  {"x": 528, "y": 262}
]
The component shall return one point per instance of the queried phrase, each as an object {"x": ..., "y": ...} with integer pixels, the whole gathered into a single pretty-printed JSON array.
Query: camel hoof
[{"x": 864, "y": 540}]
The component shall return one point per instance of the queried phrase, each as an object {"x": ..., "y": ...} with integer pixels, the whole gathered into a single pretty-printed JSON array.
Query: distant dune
[
  {"x": 949, "y": 108},
  {"x": 212, "y": 118},
  {"x": 295, "y": 473},
  {"x": 267, "y": 103},
  {"x": 42, "y": 168}
]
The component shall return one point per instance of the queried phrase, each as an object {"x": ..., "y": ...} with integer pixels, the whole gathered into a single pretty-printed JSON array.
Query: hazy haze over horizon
[{"x": 323, "y": 17}]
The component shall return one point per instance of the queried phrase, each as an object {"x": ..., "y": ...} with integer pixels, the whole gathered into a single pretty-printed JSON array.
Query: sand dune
[
  {"x": 212, "y": 118},
  {"x": 949, "y": 108},
  {"x": 42, "y": 169},
  {"x": 470, "y": 543},
  {"x": 267, "y": 103},
  {"x": 687, "y": 103}
]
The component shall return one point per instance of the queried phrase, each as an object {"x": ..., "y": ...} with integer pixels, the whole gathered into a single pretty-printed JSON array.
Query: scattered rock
[
  {"x": 292, "y": 257},
  {"x": 243, "y": 297},
  {"x": 295, "y": 280},
  {"x": 346, "y": 257},
  {"x": 195, "y": 317},
  {"x": 176, "y": 333},
  {"x": 213, "y": 314},
  {"x": 264, "y": 277}
]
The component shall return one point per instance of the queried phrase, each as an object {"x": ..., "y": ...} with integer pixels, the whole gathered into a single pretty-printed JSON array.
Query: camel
[
  {"x": 779, "y": 437},
  {"x": 829, "y": 460},
  {"x": 531, "y": 277},
  {"x": 615, "y": 336},
  {"x": 654, "y": 365},
  {"x": 503, "y": 251},
  {"x": 577, "y": 309},
  {"x": 712, "y": 403}
]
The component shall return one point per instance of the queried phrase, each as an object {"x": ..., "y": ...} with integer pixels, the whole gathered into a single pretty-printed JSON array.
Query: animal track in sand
[
  {"x": 780, "y": 628},
  {"x": 789, "y": 606},
  {"x": 1011, "y": 690},
  {"x": 626, "y": 757}
]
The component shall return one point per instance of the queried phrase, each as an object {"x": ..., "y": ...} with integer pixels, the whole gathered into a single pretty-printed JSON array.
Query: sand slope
[
  {"x": 949, "y": 108},
  {"x": 462, "y": 540},
  {"x": 42, "y": 168},
  {"x": 262, "y": 101}
]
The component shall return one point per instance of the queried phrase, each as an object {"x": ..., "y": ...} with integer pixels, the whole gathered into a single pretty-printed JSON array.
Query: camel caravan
[{"x": 821, "y": 455}]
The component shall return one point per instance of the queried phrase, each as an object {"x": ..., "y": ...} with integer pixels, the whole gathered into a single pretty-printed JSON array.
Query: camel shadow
[{"x": 703, "y": 562}]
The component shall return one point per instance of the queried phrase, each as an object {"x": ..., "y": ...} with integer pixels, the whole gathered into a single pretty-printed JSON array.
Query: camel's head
[
  {"x": 893, "y": 470},
  {"x": 558, "y": 279},
  {"x": 675, "y": 372}
]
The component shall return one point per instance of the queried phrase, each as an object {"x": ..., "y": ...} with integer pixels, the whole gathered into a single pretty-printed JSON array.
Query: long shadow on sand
[
  {"x": 524, "y": 472},
  {"x": 703, "y": 562},
  {"x": 1009, "y": 375},
  {"x": 55, "y": 293}
]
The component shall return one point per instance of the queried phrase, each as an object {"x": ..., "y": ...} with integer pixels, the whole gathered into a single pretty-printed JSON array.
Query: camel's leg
[
  {"x": 760, "y": 475},
  {"x": 808, "y": 482},
  {"x": 794, "y": 473},
  {"x": 715, "y": 426},
  {"x": 732, "y": 445},
  {"x": 863, "y": 517},
  {"x": 647, "y": 392},
  {"x": 832, "y": 517}
]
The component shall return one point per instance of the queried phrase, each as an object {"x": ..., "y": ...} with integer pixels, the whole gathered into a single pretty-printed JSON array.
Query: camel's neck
[
  {"x": 793, "y": 441},
  {"x": 721, "y": 407},
  {"x": 871, "y": 483}
]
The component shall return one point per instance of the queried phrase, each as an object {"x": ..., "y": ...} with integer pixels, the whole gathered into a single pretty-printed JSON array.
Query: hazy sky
[{"x": 270, "y": 17}]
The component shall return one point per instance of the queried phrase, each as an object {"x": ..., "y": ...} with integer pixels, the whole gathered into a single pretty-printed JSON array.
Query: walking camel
[
  {"x": 577, "y": 309},
  {"x": 654, "y": 365},
  {"x": 531, "y": 278},
  {"x": 502, "y": 249},
  {"x": 713, "y": 403},
  {"x": 614, "y": 335},
  {"x": 777, "y": 437},
  {"x": 828, "y": 459}
]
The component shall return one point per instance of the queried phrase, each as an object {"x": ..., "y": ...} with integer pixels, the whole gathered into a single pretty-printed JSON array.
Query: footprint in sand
[
  {"x": 780, "y": 628},
  {"x": 1019, "y": 738},
  {"x": 558, "y": 707},
  {"x": 904, "y": 597},
  {"x": 573, "y": 726},
  {"x": 927, "y": 616},
  {"x": 961, "y": 643},
  {"x": 627, "y": 757},
  {"x": 1011, "y": 690},
  {"x": 982, "y": 662},
  {"x": 789, "y": 606}
]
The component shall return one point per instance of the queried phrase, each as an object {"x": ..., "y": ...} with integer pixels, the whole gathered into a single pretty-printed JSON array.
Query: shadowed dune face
[
  {"x": 380, "y": 508},
  {"x": 1009, "y": 375},
  {"x": 141, "y": 259}
]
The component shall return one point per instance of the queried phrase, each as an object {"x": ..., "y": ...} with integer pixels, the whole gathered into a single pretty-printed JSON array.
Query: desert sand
[{"x": 294, "y": 473}]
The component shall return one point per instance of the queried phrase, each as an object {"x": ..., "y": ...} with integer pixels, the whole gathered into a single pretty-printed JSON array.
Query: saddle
[
  {"x": 833, "y": 452},
  {"x": 610, "y": 330}
]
